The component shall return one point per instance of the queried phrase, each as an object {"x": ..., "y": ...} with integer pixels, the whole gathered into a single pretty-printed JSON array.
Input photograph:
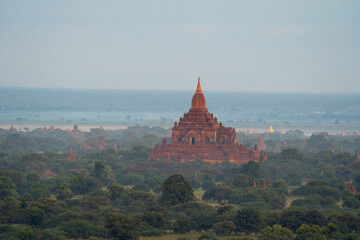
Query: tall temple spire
[
  {"x": 198, "y": 100},
  {"x": 198, "y": 89}
]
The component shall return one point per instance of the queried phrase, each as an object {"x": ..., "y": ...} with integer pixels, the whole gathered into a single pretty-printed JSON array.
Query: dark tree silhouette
[{"x": 176, "y": 189}]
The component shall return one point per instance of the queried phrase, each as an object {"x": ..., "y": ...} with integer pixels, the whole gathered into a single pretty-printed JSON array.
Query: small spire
[{"x": 198, "y": 89}]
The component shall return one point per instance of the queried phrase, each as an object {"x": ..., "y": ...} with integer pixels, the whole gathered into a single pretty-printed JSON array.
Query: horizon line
[{"x": 174, "y": 90}]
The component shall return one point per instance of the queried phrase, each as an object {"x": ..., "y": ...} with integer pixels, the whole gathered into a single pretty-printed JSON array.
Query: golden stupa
[{"x": 271, "y": 130}]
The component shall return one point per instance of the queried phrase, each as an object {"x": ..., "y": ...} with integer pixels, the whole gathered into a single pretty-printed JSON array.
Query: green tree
[
  {"x": 31, "y": 180},
  {"x": 131, "y": 179},
  {"x": 202, "y": 221},
  {"x": 291, "y": 153},
  {"x": 305, "y": 232},
  {"x": 64, "y": 191},
  {"x": 81, "y": 228},
  {"x": 292, "y": 218},
  {"x": 217, "y": 193},
  {"x": 6, "y": 183},
  {"x": 11, "y": 211},
  {"x": 94, "y": 203},
  {"x": 122, "y": 227},
  {"x": 224, "y": 228},
  {"x": 141, "y": 187},
  {"x": 176, "y": 189},
  {"x": 36, "y": 216},
  {"x": 241, "y": 180},
  {"x": 195, "y": 184},
  {"x": 100, "y": 171},
  {"x": 28, "y": 233},
  {"x": 154, "y": 219},
  {"x": 7, "y": 188},
  {"x": 50, "y": 207},
  {"x": 314, "y": 217},
  {"x": 15, "y": 176},
  {"x": 208, "y": 184},
  {"x": 207, "y": 236},
  {"x": 116, "y": 192},
  {"x": 248, "y": 220},
  {"x": 279, "y": 186},
  {"x": 330, "y": 230},
  {"x": 39, "y": 191},
  {"x": 276, "y": 232},
  {"x": 84, "y": 185},
  {"x": 251, "y": 168},
  {"x": 182, "y": 224}
]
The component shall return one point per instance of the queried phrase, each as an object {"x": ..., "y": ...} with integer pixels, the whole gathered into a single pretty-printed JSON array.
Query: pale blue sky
[{"x": 283, "y": 46}]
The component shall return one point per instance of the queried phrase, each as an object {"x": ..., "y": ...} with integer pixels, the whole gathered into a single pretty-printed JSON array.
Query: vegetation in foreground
[{"x": 109, "y": 194}]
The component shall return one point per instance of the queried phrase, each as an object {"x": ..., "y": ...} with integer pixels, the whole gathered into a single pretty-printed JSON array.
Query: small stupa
[
  {"x": 277, "y": 149},
  {"x": 115, "y": 148},
  {"x": 351, "y": 187},
  {"x": 357, "y": 159},
  {"x": 88, "y": 146},
  {"x": 102, "y": 143},
  {"x": 12, "y": 129},
  {"x": 261, "y": 144},
  {"x": 71, "y": 156},
  {"x": 271, "y": 130},
  {"x": 326, "y": 135}
]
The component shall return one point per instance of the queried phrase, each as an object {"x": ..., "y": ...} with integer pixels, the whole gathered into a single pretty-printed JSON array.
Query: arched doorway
[{"x": 193, "y": 140}]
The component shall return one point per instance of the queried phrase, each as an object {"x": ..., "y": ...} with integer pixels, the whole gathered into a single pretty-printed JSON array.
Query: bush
[
  {"x": 248, "y": 220},
  {"x": 207, "y": 236},
  {"x": 276, "y": 232},
  {"x": 80, "y": 228},
  {"x": 182, "y": 224},
  {"x": 131, "y": 179},
  {"x": 149, "y": 231},
  {"x": 224, "y": 228},
  {"x": 141, "y": 187}
]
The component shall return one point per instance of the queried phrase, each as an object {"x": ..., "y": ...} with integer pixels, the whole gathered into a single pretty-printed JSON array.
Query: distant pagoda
[
  {"x": 261, "y": 144},
  {"x": 198, "y": 135},
  {"x": 101, "y": 143},
  {"x": 71, "y": 156},
  {"x": 271, "y": 130}
]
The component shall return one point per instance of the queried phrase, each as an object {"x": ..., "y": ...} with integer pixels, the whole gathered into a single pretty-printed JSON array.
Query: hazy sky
[{"x": 284, "y": 46}]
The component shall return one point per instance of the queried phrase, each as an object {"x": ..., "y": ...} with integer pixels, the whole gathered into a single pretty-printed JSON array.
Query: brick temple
[{"x": 198, "y": 135}]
